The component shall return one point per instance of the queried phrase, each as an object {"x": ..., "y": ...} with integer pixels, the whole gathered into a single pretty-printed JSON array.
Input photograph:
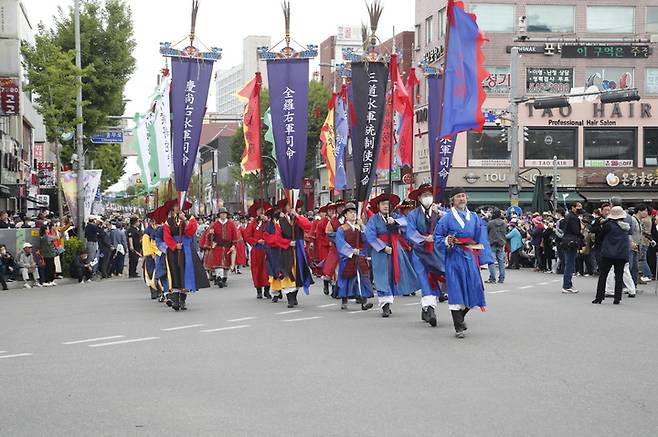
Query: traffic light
[
  {"x": 549, "y": 190},
  {"x": 526, "y": 134},
  {"x": 503, "y": 135},
  {"x": 551, "y": 102},
  {"x": 620, "y": 96}
]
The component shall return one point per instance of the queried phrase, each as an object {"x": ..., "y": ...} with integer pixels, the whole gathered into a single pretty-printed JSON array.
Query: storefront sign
[
  {"x": 9, "y": 96},
  {"x": 433, "y": 55},
  {"x": 46, "y": 174},
  {"x": 549, "y": 163},
  {"x": 599, "y": 112},
  {"x": 629, "y": 178},
  {"x": 608, "y": 163},
  {"x": 497, "y": 83},
  {"x": 549, "y": 80},
  {"x": 601, "y": 51},
  {"x": 489, "y": 163},
  {"x": 38, "y": 152},
  {"x": 548, "y": 49}
]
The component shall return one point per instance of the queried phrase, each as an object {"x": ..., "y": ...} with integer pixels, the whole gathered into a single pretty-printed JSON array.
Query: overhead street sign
[{"x": 107, "y": 137}]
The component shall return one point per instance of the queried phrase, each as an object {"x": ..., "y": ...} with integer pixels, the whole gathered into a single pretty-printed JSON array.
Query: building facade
[
  {"x": 601, "y": 149},
  {"x": 331, "y": 53},
  {"x": 22, "y": 133},
  {"x": 228, "y": 82}
]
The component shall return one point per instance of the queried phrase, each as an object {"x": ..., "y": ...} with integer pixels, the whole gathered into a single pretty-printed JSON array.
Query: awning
[
  {"x": 4, "y": 191},
  {"x": 625, "y": 196}
]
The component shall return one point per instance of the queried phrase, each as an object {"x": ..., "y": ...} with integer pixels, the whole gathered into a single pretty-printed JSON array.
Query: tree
[
  {"x": 52, "y": 77},
  {"x": 107, "y": 43},
  {"x": 318, "y": 98}
]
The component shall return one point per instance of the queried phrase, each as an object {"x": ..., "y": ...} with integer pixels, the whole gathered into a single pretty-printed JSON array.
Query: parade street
[{"x": 102, "y": 358}]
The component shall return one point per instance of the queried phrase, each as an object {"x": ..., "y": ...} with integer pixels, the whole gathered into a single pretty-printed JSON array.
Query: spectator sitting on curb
[{"x": 27, "y": 264}]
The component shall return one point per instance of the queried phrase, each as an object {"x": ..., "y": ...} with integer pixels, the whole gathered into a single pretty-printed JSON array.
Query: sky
[{"x": 224, "y": 23}]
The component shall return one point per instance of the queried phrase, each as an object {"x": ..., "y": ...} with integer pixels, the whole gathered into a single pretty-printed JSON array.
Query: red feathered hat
[
  {"x": 425, "y": 188},
  {"x": 257, "y": 205},
  {"x": 392, "y": 198}
]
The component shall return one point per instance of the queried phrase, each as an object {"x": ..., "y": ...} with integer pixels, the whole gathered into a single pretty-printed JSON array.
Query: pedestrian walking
[
  {"x": 497, "y": 231},
  {"x": 134, "y": 237},
  {"x": 515, "y": 244},
  {"x": 570, "y": 243},
  {"x": 615, "y": 247},
  {"x": 254, "y": 236}
]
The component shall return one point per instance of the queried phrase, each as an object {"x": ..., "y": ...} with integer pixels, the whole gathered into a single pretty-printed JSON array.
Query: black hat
[
  {"x": 457, "y": 190},
  {"x": 349, "y": 206}
]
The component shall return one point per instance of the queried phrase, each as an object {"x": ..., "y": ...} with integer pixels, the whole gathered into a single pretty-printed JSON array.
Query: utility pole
[
  {"x": 78, "y": 136},
  {"x": 513, "y": 137},
  {"x": 555, "y": 179}
]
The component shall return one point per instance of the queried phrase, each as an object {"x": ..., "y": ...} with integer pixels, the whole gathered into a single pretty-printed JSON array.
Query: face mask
[{"x": 426, "y": 201}]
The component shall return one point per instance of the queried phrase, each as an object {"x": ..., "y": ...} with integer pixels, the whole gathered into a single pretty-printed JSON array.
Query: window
[
  {"x": 417, "y": 37},
  {"x": 494, "y": 17},
  {"x": 428, "y": 30},
  {"x": 651, "y": 146},
  {"x": 552, "y": 19},
  {"x": 543, "y": 144},
  {"x": 443, "y": 19},
  {"x": 498, "y": 81},
  {"x": 610, "y": 78},
  {"x": 652, "y": 80},
  {"x": 487, "y": 149},
  {"x": 610, "y": 147},
  {"x": 652, "y": 19},
  {"x": 611, "y": 19}
]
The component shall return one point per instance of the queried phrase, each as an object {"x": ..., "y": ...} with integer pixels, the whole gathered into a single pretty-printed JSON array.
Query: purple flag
[
  {"x": 342, "y": 132},
  {"x": 189, "y": 93},
  {"x": 288, "y": 86},
  {"x": 440, "y": 149}
]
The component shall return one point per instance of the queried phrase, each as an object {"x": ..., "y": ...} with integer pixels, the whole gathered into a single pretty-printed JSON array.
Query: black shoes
[
  {"x": 221, "y": 282},
  {"x": 259, "y": 293},
  {"x": 386, "y": 310},
  {"x": 154, "y": 294},
  {"x": 343, "y": 305},
  {"x": 431, "y": 317},
  {"x": 458, "y": 322},
  {"x": 266, "y": 293},
  {"x": 294, "y": 298},
  {"x": 616, "y": 302},
  {"x": 365, "y": 305},
  {"x": 276, "y": 298},
  {"x": 597, "y": 301},
  {"x": 443, "y": 297},
  {"x": 326, "y": 288},
  {"x": 424, "y": 316},
  {"x": 490, "y": 281},
  {"x": 181, "y": 299},
  {"x": 175, "y": 301},
  {"x": 291, "y": 302}
]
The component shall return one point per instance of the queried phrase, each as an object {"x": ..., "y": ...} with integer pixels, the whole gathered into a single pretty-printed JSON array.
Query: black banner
[{"x": 369, "y": 82}]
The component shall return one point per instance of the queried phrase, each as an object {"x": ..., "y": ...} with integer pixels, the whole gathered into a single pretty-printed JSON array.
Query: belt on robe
[
  {"x": 433, "y": 278},
  {"x": 468, "y": 245},
  {"x": 394, "y": 240}
]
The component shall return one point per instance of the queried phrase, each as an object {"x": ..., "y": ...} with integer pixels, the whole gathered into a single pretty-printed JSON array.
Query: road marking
[
  {"x": 411, "y": 304},
  {"x": 303, "y": 318},
  {"x": 90, "y": 340},
  {"x": 525, "y": 287},
  {"x": 134, "y": 340},
  {"x": 556, "y": 280},
  {"x": 327, "y": 305},
  {"x": 356, "y": 312},
  {"x": 242, "y": 319},
  {"x": 228, "y": 328},
  {"x": 176, "y": 328},
  {"x": 16, "y": 355},
  {"x": 543, "y": 283},
  {"x": 2, "y": 352},
  {"x": 499, "y": 291},
  {"x": 288, "y": 312}
]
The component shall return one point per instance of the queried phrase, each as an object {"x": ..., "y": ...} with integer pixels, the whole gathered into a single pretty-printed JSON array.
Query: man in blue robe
[
  {"x": 392, "y": 271},
  {"x": 425, "y": 257},
  {"x": 462, "y": 237}
]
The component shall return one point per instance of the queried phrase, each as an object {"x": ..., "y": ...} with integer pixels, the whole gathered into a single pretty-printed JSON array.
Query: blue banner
[
  {"x": 342, "y": 132},
  {"x": 288, "y": 86},
  {"x": 189, "y": 94},
  {"x": 440, "y": 149}
]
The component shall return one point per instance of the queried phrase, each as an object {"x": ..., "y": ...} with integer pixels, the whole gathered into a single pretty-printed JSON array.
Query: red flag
[
  {"x": 403, "y": 105},
  {"x": 328, "y": 139},
  {"x": 251, "y": 157},
  {"x": 384, "y": 162}
]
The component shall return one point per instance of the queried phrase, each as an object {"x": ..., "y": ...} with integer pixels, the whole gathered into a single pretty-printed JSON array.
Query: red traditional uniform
[
  {"x": 253, "y": 233},
  {"x": 240, "y": 249},
  {"x": 226, "y": 236},
  {"x": 207, "y": 244},
  {"x": 331, "y": 260}
]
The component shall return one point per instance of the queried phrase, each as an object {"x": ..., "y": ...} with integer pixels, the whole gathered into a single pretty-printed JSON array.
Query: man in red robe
[
  {"x": 322, "y": 242},
  {"x": 226, "y": 235},
  {"x": 253, "y": 235},
  {"x": 330, "y": 266}
]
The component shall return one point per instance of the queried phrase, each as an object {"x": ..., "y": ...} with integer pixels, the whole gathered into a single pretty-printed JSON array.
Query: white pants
[
  {"x": 428, "y": 301},
  {"x": 288, "y": 290},
  {"x": 26, "y": 274},
  {"x": 628, "y": 280},
  {"x": 220, "y": 273},
  {"x": 383, "y": 300}
]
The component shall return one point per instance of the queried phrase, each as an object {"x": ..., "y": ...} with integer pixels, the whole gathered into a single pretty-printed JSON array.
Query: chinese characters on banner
[
  {"x": 440, "y": 149},
  {"x": 190, "y": 83},
  {"x": 9, "y": 96},
  {"x": 369, "y": 87},
  {"x": 288, "y": 85}
]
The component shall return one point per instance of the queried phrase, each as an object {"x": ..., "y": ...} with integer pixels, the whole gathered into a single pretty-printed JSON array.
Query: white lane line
[
  {"x": 134, "y": 340},
  {"x": 2, "y": 352},
  {"x": 288, "y": 312},
  {"x": 228, "y": 328},
  {"x": 543, "y": 283},
  {"x": 242, "y": 319},
  {"x": 525, "y": 287},
  {"x": 411, "y": 304},
  {"x": 327, "y": 305},
  {"x": 91, "y": 340},
  {"x": 16, "y": 355},
  {"x": 303, "y": 318},
  {"x": 356, "y": 312},
  {"x": 176, "y": 328},
  {"x": 499, "y": 291},
  {"x": 556, "y": 280}
]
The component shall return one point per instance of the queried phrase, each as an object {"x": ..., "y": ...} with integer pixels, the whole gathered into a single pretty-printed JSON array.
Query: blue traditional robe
[
  {"x": 462, "y": 266},
  {"x": 347, "y": 239},
  {"x": 382, "y": 264},
  {"x": 426, "y": 257}
]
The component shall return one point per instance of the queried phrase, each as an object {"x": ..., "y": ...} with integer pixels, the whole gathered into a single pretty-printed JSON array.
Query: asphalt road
[{"x": 103, "y": 359}]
